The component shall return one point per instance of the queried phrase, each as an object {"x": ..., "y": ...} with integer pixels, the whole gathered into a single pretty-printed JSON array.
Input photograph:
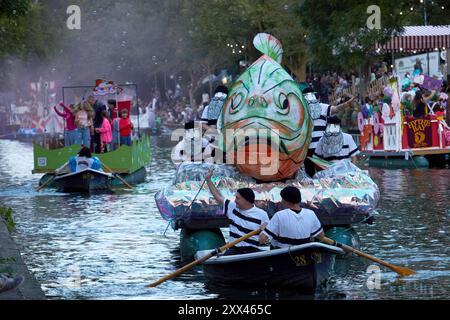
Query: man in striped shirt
[
  {"x": 319, "y": 113},
  {"x": 244, "y": 215},
  {"x": 336, "y": 145},
  {"x": 293, "y": 225}
]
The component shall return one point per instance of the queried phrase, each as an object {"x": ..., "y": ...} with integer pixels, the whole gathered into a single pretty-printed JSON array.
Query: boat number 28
[{"x": 301, "y": 260}]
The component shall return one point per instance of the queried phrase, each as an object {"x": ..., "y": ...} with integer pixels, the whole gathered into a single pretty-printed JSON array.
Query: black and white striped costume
[
  {"x": 320, "y": 124},
  {"x": 289, "y": 228},
  {"x": 243, "y": 222},
  {"x": 349, "y": 149}
]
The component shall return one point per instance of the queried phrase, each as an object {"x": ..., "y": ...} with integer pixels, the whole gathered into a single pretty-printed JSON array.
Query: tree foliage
[{"x": 133, "y": 40}]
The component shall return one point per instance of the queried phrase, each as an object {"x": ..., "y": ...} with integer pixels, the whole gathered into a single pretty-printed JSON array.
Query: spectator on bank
[{"x": 10, "y": 282}]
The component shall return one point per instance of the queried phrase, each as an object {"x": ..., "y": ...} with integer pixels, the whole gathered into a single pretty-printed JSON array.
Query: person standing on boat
[
  {"x": 293, "y": 225},
  {"x": 244, "y": 215},
  {"x": 105, "y": 133},
  {"x": 114, "y": 119},
  {"x": 319, "y": 113},
  {"x": 125, "y": 126},
  {"x": 83, "y": 121},
  {"x": 83, "y": 161},
  {"x": 71, "y": 130},
  {"x": 98, "y": 120},
  {"x": 336, "y": 145}
]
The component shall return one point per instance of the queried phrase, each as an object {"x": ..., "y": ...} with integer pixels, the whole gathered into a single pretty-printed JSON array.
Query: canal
[{"x": 111, "y": 246}]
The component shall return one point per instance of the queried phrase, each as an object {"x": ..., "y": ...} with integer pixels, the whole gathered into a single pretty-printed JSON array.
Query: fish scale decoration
[{"x": 266, "y": 97}]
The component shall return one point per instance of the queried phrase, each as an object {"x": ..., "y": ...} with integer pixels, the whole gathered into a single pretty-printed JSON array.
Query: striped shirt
[
  {"x": 349, "y": 149},
  {"x": 320, "y": 124},
  {"x": 289, "y": 228},
  {"x": 243, "y": 222}
]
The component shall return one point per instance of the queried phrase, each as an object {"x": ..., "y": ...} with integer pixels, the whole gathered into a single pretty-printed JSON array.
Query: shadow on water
[{"x": 109, "y": 246}]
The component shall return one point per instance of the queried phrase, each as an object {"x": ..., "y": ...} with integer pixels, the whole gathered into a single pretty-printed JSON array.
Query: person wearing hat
[
  {"x": 244, "y": 215},
  {"x": 319, "y": 113},
  {"x": 292, "y": 226},
  {"x": 336, "y": 145}
]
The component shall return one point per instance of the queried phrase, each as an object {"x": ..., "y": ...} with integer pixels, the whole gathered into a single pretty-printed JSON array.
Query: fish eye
[
  {"x": 283, "y": 102},
  {"x": 235, "y": 102}
]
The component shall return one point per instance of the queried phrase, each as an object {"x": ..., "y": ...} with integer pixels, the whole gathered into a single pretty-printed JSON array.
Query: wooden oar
[
  {"x": 116, "y": 175},
  {"x": 46, "y": 183},
  {"x": 209, "y": 255},
  {"x": 400, "y": 270}
]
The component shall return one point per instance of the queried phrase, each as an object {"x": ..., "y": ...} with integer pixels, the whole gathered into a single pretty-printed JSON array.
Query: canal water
[{"x": 111, "y": 246}]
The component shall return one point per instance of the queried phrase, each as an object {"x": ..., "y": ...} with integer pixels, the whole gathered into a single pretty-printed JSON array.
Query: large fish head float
[{"x": 266, "y": 98}]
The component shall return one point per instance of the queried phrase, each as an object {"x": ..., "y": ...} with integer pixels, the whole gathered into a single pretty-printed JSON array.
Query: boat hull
[
  {"x": 304, "y": 267},
  {"x": 86, "y": 181},
  {"x": 418, "y": 162}
]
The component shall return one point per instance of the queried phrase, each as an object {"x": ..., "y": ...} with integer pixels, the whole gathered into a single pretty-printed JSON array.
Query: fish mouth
[{"x": 244, "y": 137}]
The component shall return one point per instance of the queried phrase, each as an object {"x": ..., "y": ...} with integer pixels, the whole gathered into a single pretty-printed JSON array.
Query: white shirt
[
  {"x": 243, "y": 222},
  {"x": 320, "y": 125},
  {"x": 349, "y": 149},
  {"x": 288, "y": 228},
  {"x": 189, "y": 150},
  {"x": 205, "y": 114}
]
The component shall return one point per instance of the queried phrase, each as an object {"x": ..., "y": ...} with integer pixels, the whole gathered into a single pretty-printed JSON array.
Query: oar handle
[{"x": 206, "y": 257}]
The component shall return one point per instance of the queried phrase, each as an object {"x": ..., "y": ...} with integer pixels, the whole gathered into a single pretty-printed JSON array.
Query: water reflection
[{"x": 110, "y": 246}]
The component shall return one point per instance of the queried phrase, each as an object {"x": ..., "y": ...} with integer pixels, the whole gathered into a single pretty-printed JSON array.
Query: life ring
[
  {"x": 360, "y": 122},
  {"x": 376, "y": 123}
]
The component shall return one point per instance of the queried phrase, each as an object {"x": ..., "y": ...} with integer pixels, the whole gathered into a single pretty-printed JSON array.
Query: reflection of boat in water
[
  {"x": 87, "y": 180},
  {"x": 303, "y": 267}
]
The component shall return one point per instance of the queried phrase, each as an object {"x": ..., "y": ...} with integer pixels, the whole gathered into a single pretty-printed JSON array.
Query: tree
[{"x": 27, "y": 32}]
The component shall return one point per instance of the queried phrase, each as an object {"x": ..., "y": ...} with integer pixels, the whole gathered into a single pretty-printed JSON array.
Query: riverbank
[{"x": 11, "y": 261}]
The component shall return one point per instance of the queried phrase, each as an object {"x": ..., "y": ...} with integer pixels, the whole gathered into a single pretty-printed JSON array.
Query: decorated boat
[
  {"x": 264, "y": 134},
  {"x": 128, "y": 162},
  {"x": 393, "y": 138},
  {"x": 86, "y": 181},
  {"x": 304, "y": 267}
]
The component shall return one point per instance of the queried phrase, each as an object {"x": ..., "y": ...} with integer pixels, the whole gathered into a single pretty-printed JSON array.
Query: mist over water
[{"x": 124, "y": 41}]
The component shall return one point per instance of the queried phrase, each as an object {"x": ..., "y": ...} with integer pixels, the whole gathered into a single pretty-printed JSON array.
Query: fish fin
[{"x": 269, "y": 46}]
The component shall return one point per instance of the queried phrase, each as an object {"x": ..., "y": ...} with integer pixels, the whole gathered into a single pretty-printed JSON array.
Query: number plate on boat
[{"x": 42, "y": 161}]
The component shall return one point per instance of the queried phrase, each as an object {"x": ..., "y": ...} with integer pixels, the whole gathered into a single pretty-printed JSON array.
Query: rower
[
  {"x": 336, "y": 145},
  {"x": 293, "y": 225},
  {"x": 244, "y": 215},
  {"x": 81, "y": 162}
]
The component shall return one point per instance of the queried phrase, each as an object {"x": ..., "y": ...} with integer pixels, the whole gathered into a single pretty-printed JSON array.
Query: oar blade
[{"x": 403, "y": 271}]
